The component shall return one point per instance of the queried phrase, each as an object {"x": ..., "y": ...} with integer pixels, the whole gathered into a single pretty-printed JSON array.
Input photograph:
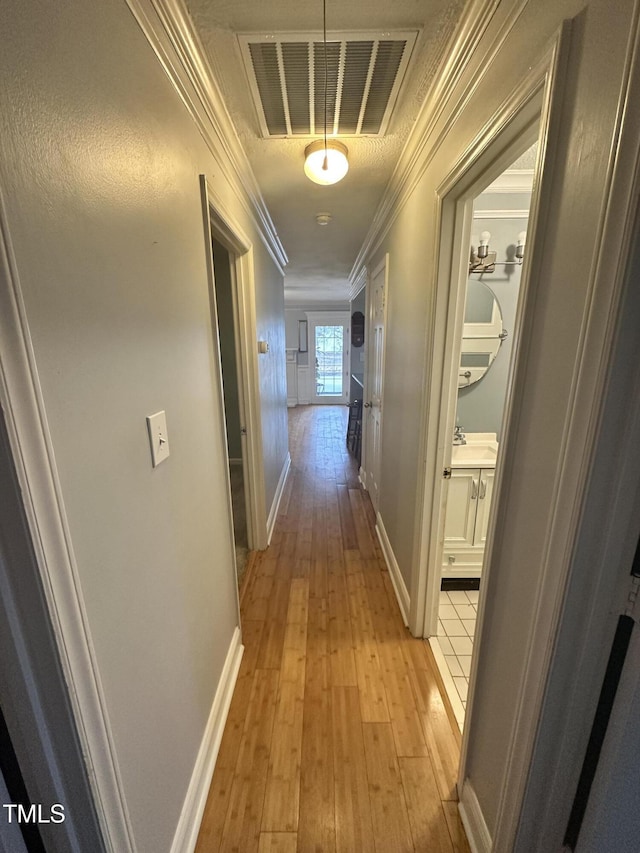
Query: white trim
[
  {"x": 186, "y": 835},
  {"x": 473, "y": 820},
  {"x": 512, "y": 181},
  {"x": 32, "y": 450},
  {"x": 219, "y": 221},
  {"x": 358, "y": 283},
  {"x": 447, "y": 679},
  {"x": 500, "y": 214},
  {"x": 399, "y": 586},
  {"x": 275, "y": 506},
  {"x": 168, "y": 29}
]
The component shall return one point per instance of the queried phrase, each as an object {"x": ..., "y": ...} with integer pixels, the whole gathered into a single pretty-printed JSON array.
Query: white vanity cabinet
[{"x": 466, "y": 521}]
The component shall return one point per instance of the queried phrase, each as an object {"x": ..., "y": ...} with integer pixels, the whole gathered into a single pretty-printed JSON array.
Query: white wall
[
  {"x": 591, "y": 91},
  {"x": 100, "y": 175}
]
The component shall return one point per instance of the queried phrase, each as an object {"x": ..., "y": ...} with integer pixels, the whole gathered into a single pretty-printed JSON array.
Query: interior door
[{"x": 375, "y": 382}]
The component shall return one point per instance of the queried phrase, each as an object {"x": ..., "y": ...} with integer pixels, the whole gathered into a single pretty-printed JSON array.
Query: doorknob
[{"x": 368, "y": 405}]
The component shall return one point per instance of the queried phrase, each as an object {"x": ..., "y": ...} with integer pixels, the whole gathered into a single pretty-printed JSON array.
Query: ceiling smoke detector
[{"x": 323, "y": 218}]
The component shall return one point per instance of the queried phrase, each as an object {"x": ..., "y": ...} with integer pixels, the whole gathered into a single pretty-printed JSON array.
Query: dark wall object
[{"x": 357, "y": 329}]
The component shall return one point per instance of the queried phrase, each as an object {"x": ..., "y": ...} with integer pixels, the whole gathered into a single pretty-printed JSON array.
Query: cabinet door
[
  {"x": 485, "y": 495},
  {"x": 462, "y": 499}
]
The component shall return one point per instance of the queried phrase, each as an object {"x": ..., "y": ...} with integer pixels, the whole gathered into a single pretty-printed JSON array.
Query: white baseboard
[
  {"x": 402, "y": 593},
  {"x": 184, "y": 841},
  {"x": 473, "y": 820},
  {"x": 275, "y": 506}
]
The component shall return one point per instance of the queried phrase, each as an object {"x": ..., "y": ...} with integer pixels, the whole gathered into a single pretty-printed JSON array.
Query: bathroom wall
[{"x": 481, "y": 405}]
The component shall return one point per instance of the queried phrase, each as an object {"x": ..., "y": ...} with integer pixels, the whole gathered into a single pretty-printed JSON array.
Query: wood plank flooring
[{"x": 338, "y": 738}]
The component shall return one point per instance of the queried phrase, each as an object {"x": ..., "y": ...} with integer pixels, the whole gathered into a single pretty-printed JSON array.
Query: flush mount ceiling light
[
  {"x": 325, "y": 159},
  {"x": 326, "y": 162}
]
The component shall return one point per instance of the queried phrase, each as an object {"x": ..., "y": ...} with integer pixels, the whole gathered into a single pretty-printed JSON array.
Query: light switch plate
[{"x": 158, "y": 437}]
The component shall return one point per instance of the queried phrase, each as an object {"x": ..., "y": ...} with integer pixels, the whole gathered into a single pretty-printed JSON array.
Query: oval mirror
[{"x": 482, "y": 333}]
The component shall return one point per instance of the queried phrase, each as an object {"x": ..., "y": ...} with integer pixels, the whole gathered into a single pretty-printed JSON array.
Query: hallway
[{"x": 337, "y": 737}]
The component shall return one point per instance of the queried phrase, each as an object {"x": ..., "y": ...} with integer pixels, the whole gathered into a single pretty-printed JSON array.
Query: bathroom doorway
[{"x": 500, "y": 215}]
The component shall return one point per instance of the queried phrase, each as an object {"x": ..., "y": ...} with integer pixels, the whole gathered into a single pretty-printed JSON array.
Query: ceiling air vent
[{"x": 287, "y": 78}]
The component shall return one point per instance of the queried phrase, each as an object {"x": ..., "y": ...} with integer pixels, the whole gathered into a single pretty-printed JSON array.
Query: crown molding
[
  {"x": 512, "y": 181},
  {"x": 421, "y": 144},
  {"x": 170, "y": 32},
  {"x": 503, "y": 213},
  {"x": 357, "y": 284}
]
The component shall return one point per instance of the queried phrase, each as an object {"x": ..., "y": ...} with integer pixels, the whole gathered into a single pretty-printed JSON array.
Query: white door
[
  {"x": 375, "y": 379},
  {"x": 329, "y": 351}
]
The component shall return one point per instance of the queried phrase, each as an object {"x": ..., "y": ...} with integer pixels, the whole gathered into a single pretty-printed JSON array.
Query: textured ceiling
[{"x": 321, "y": 258}]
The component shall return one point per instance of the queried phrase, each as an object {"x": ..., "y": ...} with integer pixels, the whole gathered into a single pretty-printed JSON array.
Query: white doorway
[
  {"x": 483, "y": 354},
  {"x": 233, "y": 319},
  {"x": 329, "y": 351}
]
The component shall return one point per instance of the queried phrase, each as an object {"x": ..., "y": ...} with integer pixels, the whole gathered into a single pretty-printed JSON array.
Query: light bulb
[
  {"x": 326, "y": 165},
  {"x": 483, "y": 248},
  {"x": 522, "y": 239}
]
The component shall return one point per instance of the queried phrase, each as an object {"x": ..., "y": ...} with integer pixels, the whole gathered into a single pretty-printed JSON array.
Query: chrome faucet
[{"x": 459, "y": 436}]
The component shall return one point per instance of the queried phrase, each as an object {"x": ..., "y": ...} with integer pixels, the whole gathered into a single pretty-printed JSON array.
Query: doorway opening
[
  {"x": 484, "y": 352},
  {"x": 329, "y": 352},
  {"x": 229, "y": 351},
  {"x": 235, "y": 360}
]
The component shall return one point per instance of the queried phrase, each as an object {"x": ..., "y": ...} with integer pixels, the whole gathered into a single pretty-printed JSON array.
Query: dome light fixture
[{"x": 325, "y": 160}]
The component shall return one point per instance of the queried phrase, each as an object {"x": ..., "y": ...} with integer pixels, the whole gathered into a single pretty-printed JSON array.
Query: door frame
[
  {"x": 65, "y": 641},
  {"x": 532, "y": 112},
  {"x": 219, "y": 224},
  {"x": 329, "y": 318}
]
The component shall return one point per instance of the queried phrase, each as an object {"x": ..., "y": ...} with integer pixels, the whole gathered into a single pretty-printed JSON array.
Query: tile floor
[{"x": 456, "y": 628}]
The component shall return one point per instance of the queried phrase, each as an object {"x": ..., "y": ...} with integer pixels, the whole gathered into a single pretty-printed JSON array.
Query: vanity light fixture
[
  {"x": 522, "y": 239},
  {"x": 482, "y": 260},
  {"x": 326, "y": 160}
]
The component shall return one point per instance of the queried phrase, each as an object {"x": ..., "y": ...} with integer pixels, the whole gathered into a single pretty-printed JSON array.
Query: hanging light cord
[{"x": 325, "y": 164}]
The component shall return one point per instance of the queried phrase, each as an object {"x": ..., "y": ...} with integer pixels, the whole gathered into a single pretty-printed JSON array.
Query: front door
[{"x": 329, "y": 338}]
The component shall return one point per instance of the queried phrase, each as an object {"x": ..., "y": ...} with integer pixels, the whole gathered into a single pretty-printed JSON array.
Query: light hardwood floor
[{"x": 338, "y": 737}]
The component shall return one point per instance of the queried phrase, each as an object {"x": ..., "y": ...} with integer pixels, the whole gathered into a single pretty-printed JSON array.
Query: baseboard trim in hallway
[
  {"x": 275, "y": 506},
  {"x": 186, "y": 836},
  {"x": 399, "y": 586}
]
